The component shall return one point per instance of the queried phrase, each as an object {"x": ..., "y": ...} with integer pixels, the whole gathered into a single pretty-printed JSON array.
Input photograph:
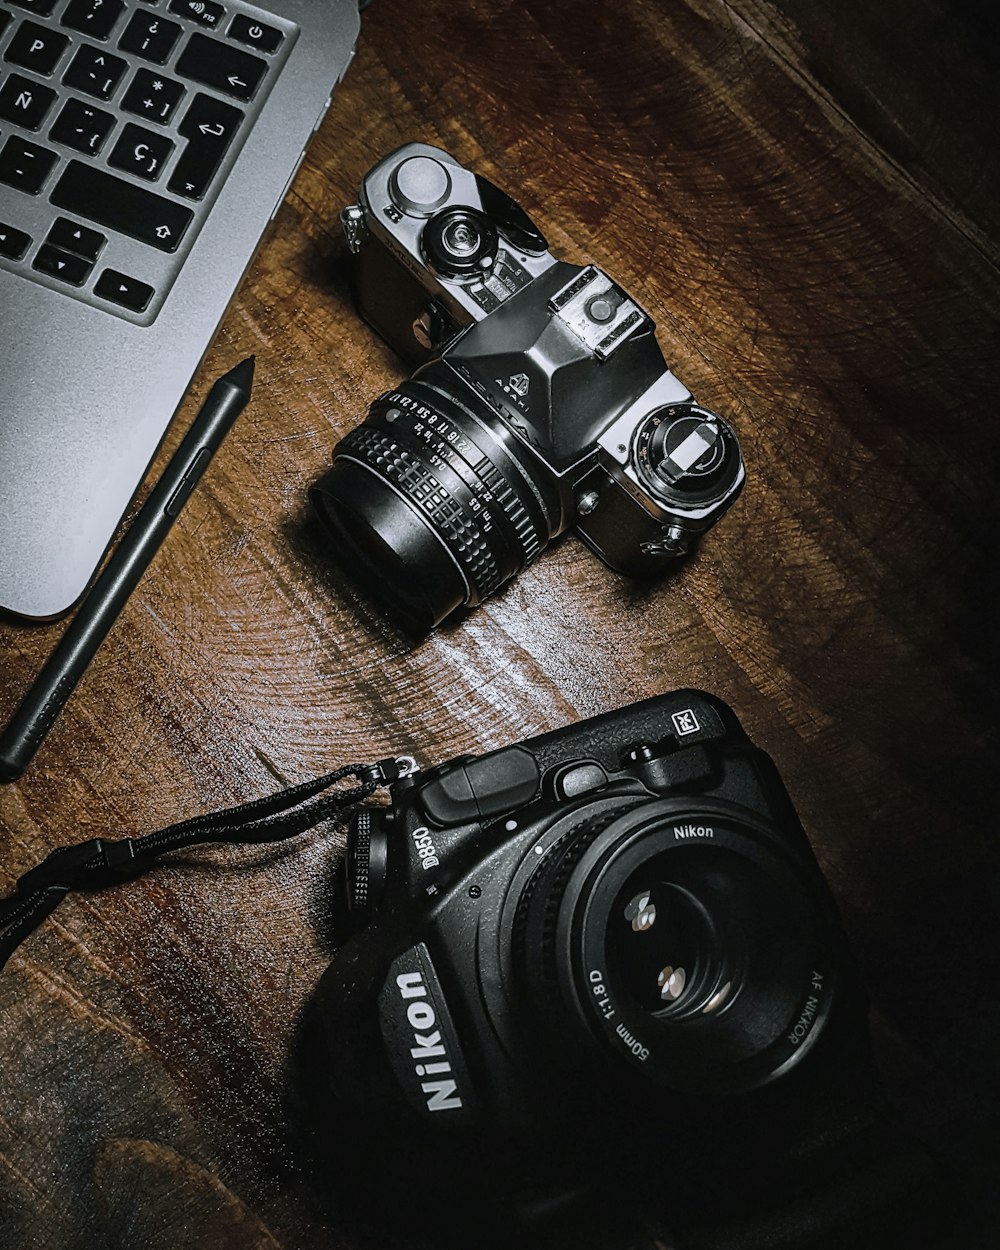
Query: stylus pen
[{"x": 100, "y": 608}]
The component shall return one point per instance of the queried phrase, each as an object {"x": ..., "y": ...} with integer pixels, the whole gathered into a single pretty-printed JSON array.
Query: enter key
[{"x": 209, "y": 126}]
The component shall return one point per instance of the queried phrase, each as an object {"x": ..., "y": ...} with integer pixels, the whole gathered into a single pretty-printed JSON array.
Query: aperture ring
[
  {"x": 456, "y": 526},
  {"x": 517, "y": 515},
  {"x": 498, "y": 444},
  {"x": 450, "y": 438}
]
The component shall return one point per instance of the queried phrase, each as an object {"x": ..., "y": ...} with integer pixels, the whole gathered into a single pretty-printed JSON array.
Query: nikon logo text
[
  {"x": 429, "y": 1054},
  {"x": 694, "y": 831}
]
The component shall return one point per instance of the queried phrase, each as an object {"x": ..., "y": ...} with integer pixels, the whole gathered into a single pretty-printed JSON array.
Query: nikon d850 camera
[
  {"x": 605, "y": 961},
  {"x": 541, "y": 401}
]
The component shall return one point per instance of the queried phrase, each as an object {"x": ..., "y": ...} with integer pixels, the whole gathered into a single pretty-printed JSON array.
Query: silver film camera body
[{"x": 541, "y": 401}]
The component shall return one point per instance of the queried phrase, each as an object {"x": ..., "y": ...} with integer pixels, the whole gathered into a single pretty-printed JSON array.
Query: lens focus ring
[
  {"x": 432, "y": 502},
  {"x": 451, "y": 438},
  {"x": 537, "y": 916},
  {"x": 423, "y": 489}
]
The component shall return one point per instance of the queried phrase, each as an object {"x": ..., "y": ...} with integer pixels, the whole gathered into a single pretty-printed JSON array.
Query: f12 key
[{"x": 206, "y": 12}]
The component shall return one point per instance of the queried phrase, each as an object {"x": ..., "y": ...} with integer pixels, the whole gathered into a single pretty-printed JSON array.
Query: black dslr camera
[
  {"x": 542, "y": 401},
  {"x": 600, "y": 972}
]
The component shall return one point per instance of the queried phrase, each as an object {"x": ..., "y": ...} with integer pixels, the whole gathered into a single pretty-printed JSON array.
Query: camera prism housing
[{"x": 541, "y": 402}]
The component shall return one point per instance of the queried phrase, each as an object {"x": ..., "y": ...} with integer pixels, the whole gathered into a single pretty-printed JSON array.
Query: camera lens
[
  {"x": 663, "y": 946},
  {"x": 689, "y": 942},
  {"x": 431, "y": 504}
]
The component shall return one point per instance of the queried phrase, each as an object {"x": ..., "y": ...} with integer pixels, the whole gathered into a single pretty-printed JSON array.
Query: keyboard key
[
  {"x": 96, "y": 72},
  {"x": 152, "y": 96},
  {"x": 256, "y": 34},
  {"x": 98, "y": 196},
  {"x": 148, "y": 35},
  {"x": 5, "y": 20},
  {"x": 209, "y": 126},
  {"x": 80, "y": 240},
  {"x": 141, "y": 152},
  {"x": 204, "y": 11},
  {"x": 96, "y": 18},
  {"x": 36, "y": 48},
  {"x": 25, "y": 165},
  {"x": 13, "y": 243},
  {"x": 25, "y": 102},
  {"x": 42, "y": 7},
  {"x": 63, "y": 265},
  {"x": 217, "y": 65},
  {"x": 127, "y": 292},
  {"x": 82, "y": 128}
]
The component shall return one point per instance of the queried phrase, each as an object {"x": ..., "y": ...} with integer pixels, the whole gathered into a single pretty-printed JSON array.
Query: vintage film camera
[
  {"x": 605, "y": 960},
  {"x": 542, "y": 401}
]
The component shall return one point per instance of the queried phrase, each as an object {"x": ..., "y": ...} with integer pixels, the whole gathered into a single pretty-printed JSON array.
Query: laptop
[{"x": 144, "y": 147}]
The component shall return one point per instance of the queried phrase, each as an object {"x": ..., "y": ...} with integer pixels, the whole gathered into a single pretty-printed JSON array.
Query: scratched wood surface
[{"x": 805, "y": 198}]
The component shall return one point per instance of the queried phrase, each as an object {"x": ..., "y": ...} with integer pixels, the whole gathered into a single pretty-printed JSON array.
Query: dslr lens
[
  {"x": 689, "y": 942},
  {"x": 432, "y": 504},
  {"x": 664, "y": 947}
]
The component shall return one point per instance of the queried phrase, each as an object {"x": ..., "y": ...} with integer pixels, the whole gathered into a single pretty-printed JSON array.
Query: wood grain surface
[{"x": 805, "y": 198}]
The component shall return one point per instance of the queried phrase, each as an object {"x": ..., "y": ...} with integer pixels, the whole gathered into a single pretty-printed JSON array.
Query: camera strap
[{"x": 101, "y": 862}]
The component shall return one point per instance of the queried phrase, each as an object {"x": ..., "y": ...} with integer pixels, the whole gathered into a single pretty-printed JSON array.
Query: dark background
[{"x": 805, "y": 198}]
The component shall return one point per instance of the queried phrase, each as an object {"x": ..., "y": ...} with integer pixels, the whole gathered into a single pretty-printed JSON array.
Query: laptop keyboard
[{"x": 119, "y": 120}]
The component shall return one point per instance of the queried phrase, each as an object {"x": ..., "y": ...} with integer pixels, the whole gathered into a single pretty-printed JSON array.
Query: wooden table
[{"x": 805, "y": 198}]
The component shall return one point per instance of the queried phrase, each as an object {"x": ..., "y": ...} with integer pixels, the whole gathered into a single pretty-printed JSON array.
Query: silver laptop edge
[{"x": 86, "y": 396}]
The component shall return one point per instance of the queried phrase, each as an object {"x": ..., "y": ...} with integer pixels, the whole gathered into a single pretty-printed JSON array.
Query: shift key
[{"x": 119, "y": 205}]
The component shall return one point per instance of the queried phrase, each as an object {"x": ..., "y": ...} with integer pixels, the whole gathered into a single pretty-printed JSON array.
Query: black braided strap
[{"x": 101, "y": 862}]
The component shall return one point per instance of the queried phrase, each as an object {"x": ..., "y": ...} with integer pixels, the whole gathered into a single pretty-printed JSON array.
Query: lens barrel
[
  {"x": 430, "y": 502},
  {"x": 686, "y": 940}
]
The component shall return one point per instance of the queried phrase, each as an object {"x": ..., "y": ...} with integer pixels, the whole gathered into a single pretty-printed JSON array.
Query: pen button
[{"x": 188, "y": 482}]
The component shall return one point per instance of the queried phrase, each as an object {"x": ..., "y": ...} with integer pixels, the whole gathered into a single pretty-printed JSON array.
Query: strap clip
[
  {"x": 94, "y": 863},
  {"x": 387, "y": 771}
]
